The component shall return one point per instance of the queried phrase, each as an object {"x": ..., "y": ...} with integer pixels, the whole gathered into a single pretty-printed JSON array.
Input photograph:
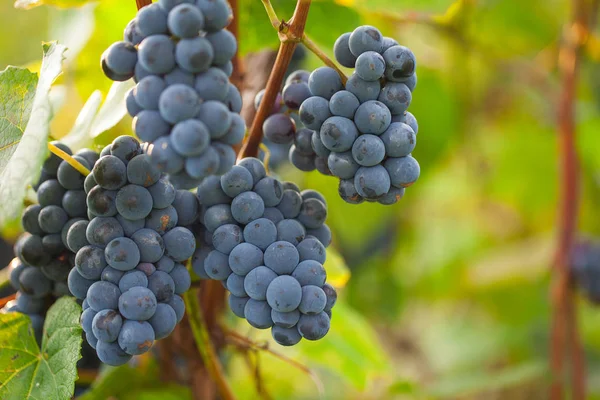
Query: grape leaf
[
  {"x": 338, "y": 272},
  {"x": 25, "y": 161},
  {"x": 28, "y": 373},
  {"x": 27, "y": 4}
]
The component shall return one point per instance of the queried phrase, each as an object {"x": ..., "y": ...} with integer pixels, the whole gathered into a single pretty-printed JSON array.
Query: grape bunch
[
  {"x": 129, "y": 269},
  {"x": 179, "y": 54},
  {"x": 45, "y": 252},
  {"x": 284, "y": 133},
  {"x": 362, "y": 129},
  {"x": 585, "y": 268},
  {"x": 265, "y": 241}
]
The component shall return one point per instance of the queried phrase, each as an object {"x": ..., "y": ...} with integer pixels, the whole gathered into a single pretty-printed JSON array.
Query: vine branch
[
  {"x": 72, "y": 162},
  {"x": 564, "y": 334}
]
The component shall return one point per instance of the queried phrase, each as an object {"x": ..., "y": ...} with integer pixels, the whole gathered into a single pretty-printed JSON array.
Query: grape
[
  {"x": 255, "y": 167},
  {"x": 343, "y": 165},
  {"x": 150, "y": 244},
  {"x": 138, "y": 303},
  {"x": 313, "y": 300},
  {"x": 69, "y": 177},
  {"x": 106, "y": 150},
  {"x": 363, "y": 90},
  {"x": 233, "y": 100},
  {"x": 322, "y": 234},
  {"x": 313, "y": 194},
  {"x": 148, "y": 91},
  {"x": 342, "y": 52},
  {"x": 78, "y": 285},
  {"x": 74, "y": 203},
  {"x": 216, "y": 265},
  {"x": 314, "y": 327},
  {"x": 391, "y": 197},
  {"x": 29, "y": 305},
  {"x": 258, "y": 314},
  {"x": 244, "y": 258},
  {"x": 163, "y": 321},
  {"x": 322, "y": 167},
  {"x": 318, "y": 146},
  {"x": 53, "y": 244},
  {"x": 136, "y": 337},
  {"x": 400, "y": 63},
  {"x": 236, "y": 181},
  {"x": 140, "y": 72},
  {"x": 302, "y": 162},
  {"x": 149, "y": 126},
  {"x": 225, "y": 44},
  {"x": 286, "y": 336},
  {"x": 257, "y": 281},
  {"x": 90, "y": 262},
  {"x": 290, "y": 230},
  {"x": 212, "y": 85},
  {"x": 279, "y": 128},
  {"x": 89, "y": 183},
  {"x": 216, "y": 116},
  {"x": 101, "y": 202},
  {"x": 198, "y": 260},
  {"x": 237, "y": 305},
  {"x": 52, "y": 219},
  {"x": 133, "y": 108},
  {"x": 210, "y": 192},
  {"x": 194, "y": 55},
  {"x": 89, "y": 155},
  {"x": 120, "y": 58},
  {"x": 111, "y": 353},
  {"x": 141, "y": 171},
  {"x": 107, "y": 325},
  {"x": 411, "y": 82},
  {"x": 187, "y": 207},
  {"x": 290, "y": 204},
  {"x": 372, "y": 182},
  {"x": 343, "y": 104},
  {"x": 368, "y": 150},
  {"x": 16, "y": 268},
  {"x": 348, "y": 192},
  {"x": 133, "y": 279},
  {"x": 277, "y": 104},
  {"x": 236, "y": 131},
  {"x": 162, "y": 220},
  {"x": 164, "y": 156},
  {"x": 178, "y": 75},
  {"x": 235, "y": 284},
  {"x": 314, "y": 111},
  {"x": 109, "y": 274},
  {"x": 168, "y": 5},
  {"x": 152, "y": 20},
  {"x": 282, "y": 257},
  {"x": 403, "y": 171},
  {"x": 130, "y": 226},
  {"x": 399, "y": 140},
  {"x": 185, "y": 21},
  {"x": 134, "y": 202},
  {"x": 310, "y": 272},
  {"x": 203, "y": 165},
  {"x": 312, "y": 213},
  {"x": 297, "y": 76},
  {"x": 303, "y": 141},
  {"x": 32, "y": 251},
  {"x": 324, "y": 82},
  {"x": 217, "y": 14},
  {"x": 365, "y": 38},
  {"x": 87, "y": 316},
  {"x": 103, "y": 295},
  {"x": 91, "y": 340},
  {"x": 218, "y": 215},
  {"x": 396, "y": 96},
  {"x": 182, "y": 278},
  {"x": 110, "y": 173},
  {"x": 270, "y": 190},
  {"x": 372, "y": 117},
  {"x": 156, "y": 54},
  {"x": 338, "y": 134},
  {"x": 162, "y": 285},
  {"x": 165, "y": 264},
  {"x": 294, "y": 93},
  {"x": 146, "y": 268},
  {"x": 163, "y": 194},
  {"x": 178, "y": 102},
  {"x": 122, "y": 254},
  {"x": 29, "y": 220},
  {"x": 178, "y": 305},
  {"x": 284, "y": 294},
  {"x": 331, "y": 294},
  {"x": 370, "y": 66},
  {"x": 50, "y": 193},
  {"x": 311, "y": 249},
  {"x": 226, "y": 238},
  {"x": 285, "y": 319},
  {"x": 287, "y": 185},
  {"x": 32, "y": 282}
]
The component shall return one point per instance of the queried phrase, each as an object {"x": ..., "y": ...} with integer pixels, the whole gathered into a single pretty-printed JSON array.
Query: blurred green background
[{"x": 448, "y": 295}]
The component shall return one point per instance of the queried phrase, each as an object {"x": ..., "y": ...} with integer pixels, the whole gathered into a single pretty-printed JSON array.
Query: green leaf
[
  {"x": 27, "y": 373},
  {"x": 25, "y": 162},
  {"x": 27, "y": 4},
  {"x": 113, "y": 110},
  {"x": 79, "y": 136},
  {"x": 338, "y": 272}
]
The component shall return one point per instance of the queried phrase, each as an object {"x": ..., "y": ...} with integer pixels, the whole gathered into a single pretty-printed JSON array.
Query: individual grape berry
[
  {"x": 103, "y": 295},
  {"x": 348, "y": 192},
  {"x": 399, "y": 140},
  {"x": 218, "y": 215},
  {"x": 343, "y": 104},
  {"x": 130, "y": 226},
  {"x": 52, "y": 219},
  {"x": 314, "y": 327},
  {"x": 52, "y": 163},
  {"x": 257, "y": 281},
  {"x": 50, "y": 193},
  {"x": 236, "y": 131},
  {"x": 403, "y": 171},
  {"x": 363, "y": 90},
  {"x": 324, "y": 82},
  {"x": 284, "y": 294},
  {"x": 313, "y": 213},
  {"x": 290, "y": 204},
  {"x": 285, "y": 319},
  {"x": 372, "y": 117},
  {"x": 391, "y": 197},
  {"x": 396, "y": 96},
  {"x": 179, "y": 75},
  {"x": 110, "y": 173},
  {"x": 90, "y": 262},
  {"x": 163, "y": 193},
  {"x": 216, "y": 265},
  {"x": 236, "y": 181},
  {"x": 101, "y": 202},
  {"x": 194, "y": 54},
  {"x": 310, "y": 272},
  {"x": 185, "y": 21},
  {"x": 270, "y": 190},
  {"x": 141, "y": 171},
  {"x": 78, "y": 285},
  {"x": 261, "y": 233},
  {"x": 179, "y": 244},
  {"x": 148, "y": 91},
  {"x": 342, "y": 53},
  {"x": 53, "y": 244},
  {"x": 106, "y": 325},
  {"x": 178, "y": 305},
  {"x": 294, "y": 93},
  {"x": 237, "y": 305},
  {"x": 370, "y": 66},
  {"x": 165, "y": 157},
  {"x": 279, "y": 128},
  {"x": 152, "y": 20},
  {"x": 122, "y": 254},
  {"x": 149, "y": 125},
  {"x": 178, "y": 103},
  {"x": 134, "y": 202},
  {"x": 312, "y": 249},
  {"x": 205, "y": 164},
  {"x": 286, "y": 336},
  {"x": 187, "y": 207},
  {"x": 162, "y": 220},
  {"x": 372, "y": 182},
  {"x": 400, "y": 63},
  {"x": 244, "y": 258},
  {"x": 343, "y": 164},
  {"x": 258, "y": 314},
  {"x": 282, "y": 257},
  {"x": 168, "y": 5},
  {"x": 235, "y": 284},
  {"x": 301, "y": 161},
  {"x": 226, "y": 43},
  {"x": 338, "y": 134},
  {"x": 138, "y": 304},
  {"x": 69, "y": 177},
  {"x": 132, "y": 279},
  {"x": 411, "y": 82},
  {"x": 120, "y": 58},
  {"x": 29, "y": 220},
  {"x": 313, "y": 301},
  {"x": 74, "y": 203},
  {"x": 322, "y": 233},
  {"x": 314, "y": 111},
  {"x": 368, "y": 150},
  {"x": 101, "y": 230},
  {"x": 33, "y": 283},
  {"x": 365, "y": 38},
  {"x": 133, "y": 108},
  {"x": 111, "y": 353},
  {"x": 156, "y": 54},
  {"x": 136, "y": 337},
  {"x": 290, "y": 230},
  {"x": 318, "y": 146},
  {"x": 227, "y": 237},
  {"x": 86, "y": 319},
  {"x": 150, "y": 245}
]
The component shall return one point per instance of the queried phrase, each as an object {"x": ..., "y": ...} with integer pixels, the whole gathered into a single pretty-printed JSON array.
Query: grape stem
[
  {"x": 323, "y": 57},
  {"x": 6, "y": 299},
  {"x": 66, "y": 157},
  {"x": 204, "y": 344},
  {"x": 564, "y": 331},
  {"x": 142, "y": 3},
  {"x": 290, "y": 33}
]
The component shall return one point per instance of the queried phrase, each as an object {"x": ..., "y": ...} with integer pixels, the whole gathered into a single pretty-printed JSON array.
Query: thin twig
[
  {"x": 322, "y": 56},
  {"x": 142, "y": 3},
  {"x": 72, "y": 162},
  {"x": 290, "y": 34},
  {"x": 6, "y": 299}
]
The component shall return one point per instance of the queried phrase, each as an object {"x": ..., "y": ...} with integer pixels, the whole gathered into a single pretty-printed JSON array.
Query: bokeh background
[{"x": 445, "y": 295}]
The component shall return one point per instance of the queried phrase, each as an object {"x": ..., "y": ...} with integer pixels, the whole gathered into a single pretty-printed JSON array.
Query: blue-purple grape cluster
[
  {"x": 45, "y": 253},
  {"x": 362, "y": 129},
  {"x": 179, "y": 54},
  {"x": 265, "y": 241},
  {"x": 129, "y": 270},
  {"x": 585, "y": 268}
]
